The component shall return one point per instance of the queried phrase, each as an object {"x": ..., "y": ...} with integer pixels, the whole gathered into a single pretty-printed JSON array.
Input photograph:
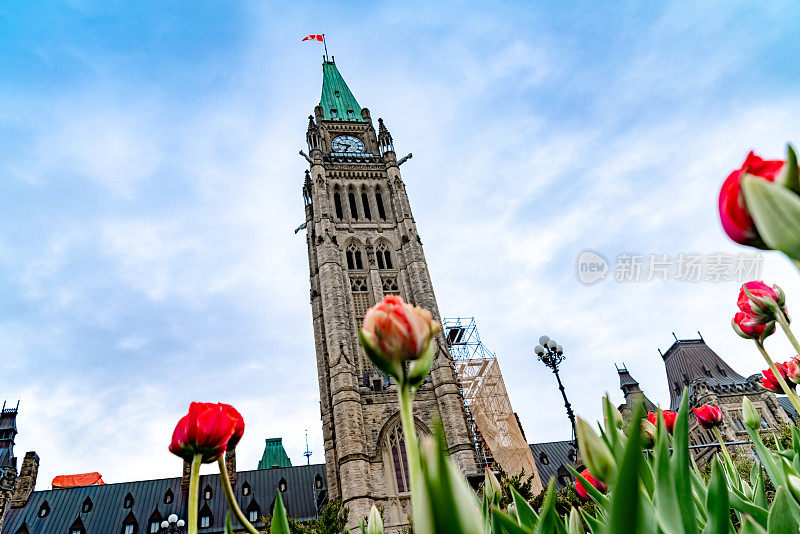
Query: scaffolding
[{"x": 497, "y": 434}]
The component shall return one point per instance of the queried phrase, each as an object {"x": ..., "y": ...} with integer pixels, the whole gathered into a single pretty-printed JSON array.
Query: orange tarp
[{"x": 74, "y": 481}]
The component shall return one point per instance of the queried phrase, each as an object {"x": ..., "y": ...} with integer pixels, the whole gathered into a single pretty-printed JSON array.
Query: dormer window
[
  {"x": 169, "y": 497},
  {"x": 207, "y": 493},
  {"x": 350, "y": 114},
  {"x": 282, "y": 485},
  {"x": 87, "y": 505},
  {"x": 543, "y": 459},
  {"x": 721, "y": 371},
  {"x": 245, "y": 489},
  {"x": 334, "y": 113},
  {"x": 318, "y": 482},
  {"x": 44, "y": 509},
  {"x": 336, "y": 94},
  {"x": 128, "y": 503}
]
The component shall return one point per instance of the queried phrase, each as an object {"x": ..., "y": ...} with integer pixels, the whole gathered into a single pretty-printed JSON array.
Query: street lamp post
[
  {"x": 172, "y": 524},
  {"x": 552, "y": 354}
]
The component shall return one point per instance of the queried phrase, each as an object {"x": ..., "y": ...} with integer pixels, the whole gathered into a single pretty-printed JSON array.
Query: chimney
[
  {"x": 187, "y": 473},
  {"x": 230, "y": 464},
  {"x": 26, "y": 481}
]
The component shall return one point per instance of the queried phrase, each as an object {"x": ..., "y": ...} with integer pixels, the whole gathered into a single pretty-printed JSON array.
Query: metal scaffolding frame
[{"x": 496, "y": 432}]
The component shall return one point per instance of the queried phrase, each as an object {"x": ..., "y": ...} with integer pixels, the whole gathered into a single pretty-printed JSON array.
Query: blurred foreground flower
[
  {"x": 591, "y": 480},
  {"x": 669, "y": 419}
]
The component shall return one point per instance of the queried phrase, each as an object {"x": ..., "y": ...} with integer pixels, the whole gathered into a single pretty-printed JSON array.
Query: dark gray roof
[
  {"x": 108, "y": 513},
  {"x": 552, "y": 459},
  {"x": 688, "y": 359},
  {"x": 786, "y": 404},
  {"x": 625, "y": 378}
]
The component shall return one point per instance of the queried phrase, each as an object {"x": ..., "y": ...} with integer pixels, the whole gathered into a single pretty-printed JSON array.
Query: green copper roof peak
[
  {"x": 337, "y": 102},
  {"x": 274, "y": 455}
]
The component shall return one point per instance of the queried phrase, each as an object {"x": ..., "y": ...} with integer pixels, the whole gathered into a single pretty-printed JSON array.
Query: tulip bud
[
  {"x": 648, "y": 434},
  {"x": 794, "y": 486},
  {"x": 741, "y": 324},
  {"x": 594, "y": 451},
  {"x": 751, "y": 416},
  {"x": 792, "y": 368},
  {"x": 491, "y": 486},
  {"x": 760, "y": 302},
  {"x": 375, "y": 522},
  {"x": 395, "y": 332},
  {"x": 669, "y": 419}
]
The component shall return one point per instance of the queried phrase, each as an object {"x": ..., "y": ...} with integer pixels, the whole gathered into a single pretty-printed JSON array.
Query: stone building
[
  {"x": 363, "y": 244},
  {"x": 691, "y": 364},
  {"x": 139, "y": 507}
]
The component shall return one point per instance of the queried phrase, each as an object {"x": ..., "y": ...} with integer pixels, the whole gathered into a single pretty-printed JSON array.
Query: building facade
[
  {"x": 692, "y": 366},
  {"x": 363, "y": 244}
]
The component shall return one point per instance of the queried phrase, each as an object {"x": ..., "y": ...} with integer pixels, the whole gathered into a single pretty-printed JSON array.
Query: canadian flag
[{"x": 314, "y": 38}]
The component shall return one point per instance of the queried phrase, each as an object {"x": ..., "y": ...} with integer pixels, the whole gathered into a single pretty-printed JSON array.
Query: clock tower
[{"x": 363, "y": 244}]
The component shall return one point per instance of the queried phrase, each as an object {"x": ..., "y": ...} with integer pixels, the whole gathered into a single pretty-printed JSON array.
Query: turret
[{"x": 384, "y": 139}]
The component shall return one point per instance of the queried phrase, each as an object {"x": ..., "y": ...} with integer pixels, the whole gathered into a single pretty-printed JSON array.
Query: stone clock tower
[{"x": 363, "y": 244}]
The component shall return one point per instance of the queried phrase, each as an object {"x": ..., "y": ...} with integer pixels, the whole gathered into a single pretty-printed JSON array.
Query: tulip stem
[
  {"x": 784, "y": 322},
  {"x": 406, "y": 398},
  {"x": 194, "y": 490},
  {"x": 779, "y": 376},
  {"x": 228, "y": 489},
  {"x": 734, "y": 474}
]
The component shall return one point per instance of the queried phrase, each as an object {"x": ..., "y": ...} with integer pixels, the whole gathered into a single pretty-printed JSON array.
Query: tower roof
[
  {"x": 630, "y": 388},
  {"x": 274, "y": 455},
  {"x": 337, "y": 102},
  {"x": 688, "y": 359}
]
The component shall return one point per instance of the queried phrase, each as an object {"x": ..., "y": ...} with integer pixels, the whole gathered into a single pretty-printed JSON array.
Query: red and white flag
[{"x": 314, "y": 38}]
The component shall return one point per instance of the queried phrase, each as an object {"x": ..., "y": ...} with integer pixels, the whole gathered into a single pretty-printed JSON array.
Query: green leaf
[
  {"x": 574, "y": 522},
  {"x": 776, "y": 212},
  {"x": 774, "y": 471},
  {"x": 526, "y": 515},
  {"x": 390, "y": 367},
  {"x": 280, "y": 524},
  {"x": 228, "y": 525},
  {"x": 759, "y": 491},
  {"x": 549, "y": 521},
  {"x": 789, "y": 176},
  {"x": 781, "y": 520},
  {"x": 502, "y": 523},
  {"x": 625, "y": 499},
  {"x": 667, "y": 509},
  {"x": 680, "y": 466},
  {"x": 719, "y": 514},
  {"x": 751, "y": 527},
  {"x": 595, "y": 526},
  {"x": 418, "y": 369},
  {"x": 758, "y": 513}
]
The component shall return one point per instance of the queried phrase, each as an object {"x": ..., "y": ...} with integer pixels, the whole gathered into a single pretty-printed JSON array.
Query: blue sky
[{"x": 151, "y": 185}]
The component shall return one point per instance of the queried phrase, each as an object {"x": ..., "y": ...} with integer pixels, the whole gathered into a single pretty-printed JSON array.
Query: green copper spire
[
  {"x": 338, "y": 103},
  {"x": 274, "y": 455}
]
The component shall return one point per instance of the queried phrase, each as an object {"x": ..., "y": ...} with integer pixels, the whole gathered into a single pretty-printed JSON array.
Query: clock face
[{"x": 348, "y": 143}]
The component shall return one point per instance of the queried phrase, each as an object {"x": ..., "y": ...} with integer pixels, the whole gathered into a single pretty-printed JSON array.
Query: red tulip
[
  {"x": 736, "y": 220},
  {"x": 792, "y": 368},
  {"x": 770, "y": 382},
  {"x": 760, "y": 302},
  {"x": 208, "y": 429},
  {"x": 741, "y": 324},
  {"x": 708, "y": 416},
  {"x": 669, "y": 419},
  {"x": 591, "y": 480},
  {"x": 398, "y": 331}
]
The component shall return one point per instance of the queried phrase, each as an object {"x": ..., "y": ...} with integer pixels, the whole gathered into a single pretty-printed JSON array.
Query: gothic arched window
[
  {"x": 128, "y": 503},
  {"x": 383, "y": 257},
  {"x": 397, "y": 450},
  {"x": 365, "y": 204},
  {"x": 379, "y": 203},
  {"x": 207, "y": 493},
  {"x": 44, "y": 509},
  {"x": 337, "y": 204},
  {"x": 354, "y": 258},
  {"x": 351, "y": 198},
  {"x": 77, "y": 527},
  {"x": 246, "y": 488},
  {"x": 87, "y": 505},
  {"x": 169, "y": 497}
]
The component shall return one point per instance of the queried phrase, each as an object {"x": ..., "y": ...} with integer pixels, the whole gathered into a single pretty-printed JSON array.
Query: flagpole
[{"x": 326, "y": 47}]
